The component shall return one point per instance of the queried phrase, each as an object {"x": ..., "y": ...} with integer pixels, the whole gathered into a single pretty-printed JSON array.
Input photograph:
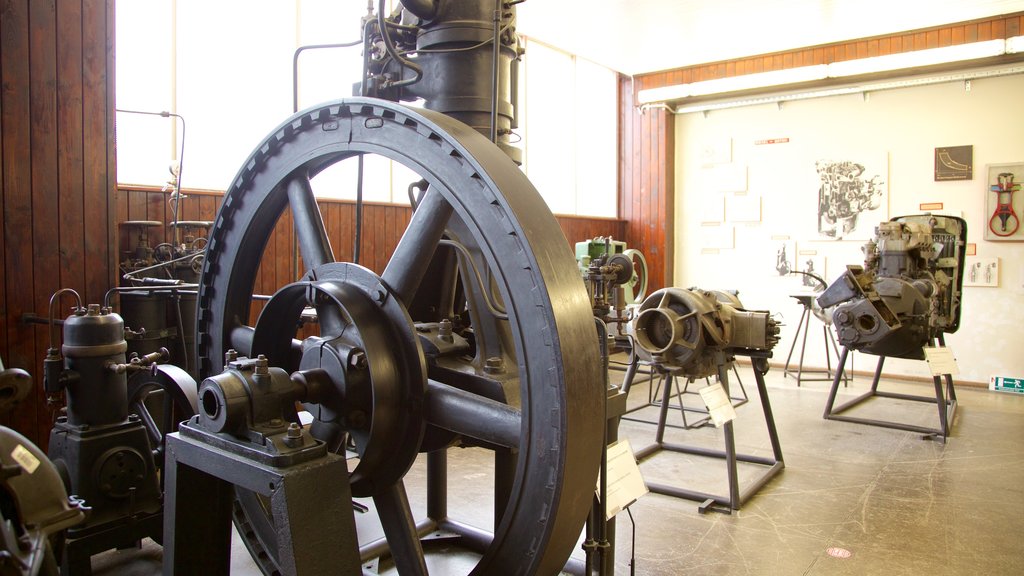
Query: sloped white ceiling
[{"x": 637, "y": 36}]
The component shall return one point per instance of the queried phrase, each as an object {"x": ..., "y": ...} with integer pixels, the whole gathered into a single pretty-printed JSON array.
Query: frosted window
[
  {"x": 226, "y": 67},
  {"x": 145, "y": 144},
  {"x": 568, "y": 112}
]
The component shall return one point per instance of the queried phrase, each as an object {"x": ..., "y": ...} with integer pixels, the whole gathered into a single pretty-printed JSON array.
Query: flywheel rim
[{"x": 518, "y": 239}]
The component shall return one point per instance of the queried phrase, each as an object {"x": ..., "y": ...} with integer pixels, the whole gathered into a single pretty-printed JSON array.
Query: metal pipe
[
  {"x": 495, "y": 56},
  {"x": 295, "y": 65},
  {"x": 181, "y": 158}
]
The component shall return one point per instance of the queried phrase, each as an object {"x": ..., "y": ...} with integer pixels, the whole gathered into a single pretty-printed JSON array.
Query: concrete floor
[{"x": 853, "y": 499}]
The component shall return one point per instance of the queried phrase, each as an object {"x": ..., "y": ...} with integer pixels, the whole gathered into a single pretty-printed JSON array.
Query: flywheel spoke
[
  {"x": 400, "y": 528},
  {"x": 409, "y": 263},
  {"x": 472, "y": 415},
  {"x": 314, "y": 245}
]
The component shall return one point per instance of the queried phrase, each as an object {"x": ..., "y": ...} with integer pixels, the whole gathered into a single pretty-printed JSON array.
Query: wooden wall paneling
[
  {"x": 110, "y": 145},
  {"x": 367, "y": 247},
  {"x": 668, "y": 203},
  {"x": 71, "y": 154},
  {"x": 380, "y": 253},
  {"x": 157, "y": 211},
  {"x": 970, "y": 32},
  {"x": 188, "y": 209},
  {"x": 17, "y": 190},
  {"x": 1013, "y": 25},
  {"x": 945, "y": 37},
  {"x": 120, "y": 235},
  {"x": 344, "y": 226},
  {"x": 97, "y": 105},
  {"x": 647, "y": 184},
  {"x": 45, "y": 195},
  {"x": 998, "y": 28},
  {"x": 4, "y": 25}
]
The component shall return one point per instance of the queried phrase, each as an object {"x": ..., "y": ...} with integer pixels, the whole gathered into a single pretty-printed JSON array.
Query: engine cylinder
[{"x": 93, "y": 342}]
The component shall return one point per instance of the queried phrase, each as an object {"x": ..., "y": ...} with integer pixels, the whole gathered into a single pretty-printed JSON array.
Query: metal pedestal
[
  {"x": 818, "y": 374},
  {"x": 316, "y": 534},
  {"x": 944, "y": 399},
  {"x": 654, "y": 398},
  {"x": 736, "y": 496}
]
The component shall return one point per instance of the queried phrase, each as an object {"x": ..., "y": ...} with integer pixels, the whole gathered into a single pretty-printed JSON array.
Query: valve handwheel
[{"x": 532, "y": 335}]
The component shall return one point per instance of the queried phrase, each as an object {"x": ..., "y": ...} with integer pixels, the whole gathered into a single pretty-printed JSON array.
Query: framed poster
[
  {"x": 982, "y": 272},
  {"x": 853, "y": 196},
  {"x": 954, "y": 163},
  {"x": 1004, "y": 202}
]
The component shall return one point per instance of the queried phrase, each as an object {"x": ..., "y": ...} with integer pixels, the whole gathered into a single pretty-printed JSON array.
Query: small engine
[
  {"x": 682, "y": 330},
  {"x": 908, "y": 291}
]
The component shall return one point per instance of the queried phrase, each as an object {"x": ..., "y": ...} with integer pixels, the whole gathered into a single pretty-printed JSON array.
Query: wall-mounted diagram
[
  {"x": 983, "y": 272},
  {"x": 954, "y": 163},
  {"x": 852, "y": 198},
  {"x": 1003, "y": 202}
]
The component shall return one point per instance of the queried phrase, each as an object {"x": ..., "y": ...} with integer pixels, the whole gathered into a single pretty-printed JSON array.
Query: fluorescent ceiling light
[
  {"x": 846, "y": 68},
  {"x": 1015, "y": 45},
  {"x": 759, "y": 80},
  {"x": 854, "y": 89},
  {"x": 663, "y": 94},
  {"x": 917, "y": 59},
  {"x": 734, "y": 84}
]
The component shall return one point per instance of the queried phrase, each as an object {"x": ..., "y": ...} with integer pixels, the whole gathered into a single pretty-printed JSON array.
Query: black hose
[
  {"x": 425, "y": 9},
  {"x": 383, "y": 24}
]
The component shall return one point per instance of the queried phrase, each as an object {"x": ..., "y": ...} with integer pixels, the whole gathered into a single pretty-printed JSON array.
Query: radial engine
[
  {"x": 908, "y": 291},
  {"x": 683, "y": 331}
]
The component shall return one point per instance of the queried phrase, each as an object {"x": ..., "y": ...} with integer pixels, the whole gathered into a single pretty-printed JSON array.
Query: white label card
[
  {"x": 941, "y": 361},
  {"x": 719, "y": 404},
  {"x": 25, "y": 458},
  {"x": 625, "y": 483}
]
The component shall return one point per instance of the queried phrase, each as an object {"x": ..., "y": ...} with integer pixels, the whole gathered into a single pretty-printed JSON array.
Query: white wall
[{"x": 907, "y": 124}]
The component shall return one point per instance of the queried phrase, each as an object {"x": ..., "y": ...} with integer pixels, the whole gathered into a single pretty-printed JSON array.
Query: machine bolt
[
  {"x": 262, "y": 366},
  {"x": 94, "y": 310},
  {"x": 230, "y": 356},
  {"x": 494, "y": 365},
  {"x": 444, "y": 330},
  {"x": 357, "y": 360},
  {"x": 293, "y": 436}
]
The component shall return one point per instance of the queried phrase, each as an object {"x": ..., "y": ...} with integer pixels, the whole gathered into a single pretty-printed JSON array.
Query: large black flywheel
[{"x": 478, "y": 331}]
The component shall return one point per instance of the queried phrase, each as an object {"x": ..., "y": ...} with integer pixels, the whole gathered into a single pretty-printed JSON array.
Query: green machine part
[{"x": 587, "y": 250}]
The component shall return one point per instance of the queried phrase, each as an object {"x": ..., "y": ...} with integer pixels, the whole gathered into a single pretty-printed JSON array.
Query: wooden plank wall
[
  {"x": 383, "y": 225},
  {"x": 57, "y": 164},
  {"x": 647, "y": 184},
  {"x": 647, "y": 138}
]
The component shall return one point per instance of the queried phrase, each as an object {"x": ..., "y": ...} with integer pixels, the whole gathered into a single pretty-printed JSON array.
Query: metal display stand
[
  {"x": 945, "y": 401},
  {"x": 316, "y": 535},
  {"x": 654, "y": 399},
  {"x": 822, "y": 375},
  {"x": 737, "y": 496}
]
